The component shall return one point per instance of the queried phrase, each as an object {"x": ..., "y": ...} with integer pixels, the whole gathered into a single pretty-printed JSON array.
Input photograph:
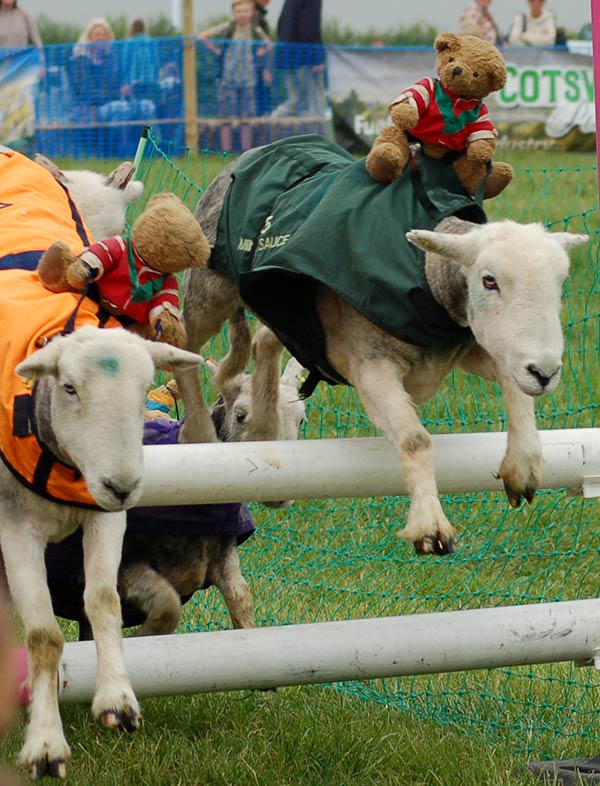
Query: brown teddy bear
[
  {"x": 135, "y": 275},
  {"x": 448, "y": 114}
]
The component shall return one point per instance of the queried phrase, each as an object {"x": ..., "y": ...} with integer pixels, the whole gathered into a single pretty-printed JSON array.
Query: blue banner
[{"x": 19, "y": 78}]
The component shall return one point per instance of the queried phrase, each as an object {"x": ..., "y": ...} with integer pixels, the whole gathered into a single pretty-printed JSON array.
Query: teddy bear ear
[{"x": 446, "y": 41}]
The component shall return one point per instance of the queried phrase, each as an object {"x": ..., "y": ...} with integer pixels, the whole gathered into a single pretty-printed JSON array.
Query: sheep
[
  {"x": 85, "y": 413},
  {"x": 499, "y": 285},
  {"x": 165, "y": 559},
  {"x": 101, "y": 199}
]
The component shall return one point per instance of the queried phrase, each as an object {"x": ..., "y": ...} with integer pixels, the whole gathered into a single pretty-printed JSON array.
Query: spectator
[
  {"x": 239, "y": 58},
  {"x": 304, "y": 66},
  {"x": 17, "y": 27},
  {"x": 263, "y": 90},
  {"x": 535, "y": 27},
  {"x": 259, "y": 15},
  {"x": 96, "y": 83},
  {"x": 477, "y": 20},
  {"x": 140, "y": 65}
]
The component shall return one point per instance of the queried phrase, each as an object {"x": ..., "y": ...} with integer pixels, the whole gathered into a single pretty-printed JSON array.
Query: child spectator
[{"x": 240, "y": 59}]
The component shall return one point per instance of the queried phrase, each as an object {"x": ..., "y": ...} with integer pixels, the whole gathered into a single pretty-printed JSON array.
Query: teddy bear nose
[{"x": 457, "y": 71}]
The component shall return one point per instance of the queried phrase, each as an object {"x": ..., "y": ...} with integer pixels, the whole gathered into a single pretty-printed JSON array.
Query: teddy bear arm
[
  {"x": 481, "y": 150},
  {"x": 404, "y": 115},
  {"x": 170, "y": 328}
]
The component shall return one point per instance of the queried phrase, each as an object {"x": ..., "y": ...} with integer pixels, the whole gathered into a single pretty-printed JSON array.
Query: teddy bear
[
  {"x": 135, "y": 275},
  {"x": 161, "y": 400},
  {"x": 448, "y": 114}
]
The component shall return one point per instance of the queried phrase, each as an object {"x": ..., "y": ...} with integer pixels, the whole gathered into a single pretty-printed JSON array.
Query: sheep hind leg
[
  {"x": 141, "y": 586},
  {"x": 226, "y": 574}
]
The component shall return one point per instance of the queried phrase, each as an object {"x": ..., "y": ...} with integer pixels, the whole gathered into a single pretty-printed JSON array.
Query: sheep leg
[
  {"x": 226, "y": 575},
  {"x": 45, "y": 750},
  {"x": 114, "y": 703},
  {"x": 209, "y": 299},
  {"x": 266, "y": 414},
  {"x": 150, "y": 592},
  {"x": 391, "y": 409},
  {"x": 521, "y": 468}
]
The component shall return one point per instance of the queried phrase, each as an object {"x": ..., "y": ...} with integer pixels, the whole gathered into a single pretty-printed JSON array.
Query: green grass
[{"x": 342, "y": 559}]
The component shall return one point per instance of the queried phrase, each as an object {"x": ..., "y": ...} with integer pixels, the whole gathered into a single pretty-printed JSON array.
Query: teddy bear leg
[
  {"x": 498, "y": 179},
  {"x": 470, "y": 173},
  {"x": 53, "y": 265},
  {"x": 388, "y": 156}
]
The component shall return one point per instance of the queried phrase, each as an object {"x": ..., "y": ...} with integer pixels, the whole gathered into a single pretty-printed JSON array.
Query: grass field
[{"x": 342, "y": 559}]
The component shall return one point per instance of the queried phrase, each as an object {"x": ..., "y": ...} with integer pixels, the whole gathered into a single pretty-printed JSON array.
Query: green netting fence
[{"x": 342, "y": 559}]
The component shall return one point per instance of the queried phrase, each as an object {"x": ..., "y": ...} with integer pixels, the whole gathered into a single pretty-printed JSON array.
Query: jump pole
[
  {"x": 327, "y": 652},
  {"x": 365, "y": 467}
]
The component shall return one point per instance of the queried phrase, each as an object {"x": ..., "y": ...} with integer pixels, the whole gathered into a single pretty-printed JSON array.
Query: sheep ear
[
  {"x": 166, "y": 357},
  {"x": 44, "y": 362},
  {"x": 292, "y": 374},
  {"x": 459, "y": 248},
  {"x": 51, "y": 167},
  {"x": 119, "y": 178},
  {"x": 568, "y": 240}
]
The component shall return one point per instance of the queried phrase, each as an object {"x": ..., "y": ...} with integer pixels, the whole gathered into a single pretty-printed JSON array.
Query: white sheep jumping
[
  {"x": 502, "y": 280},
  {"x": 85, "y": 411}
]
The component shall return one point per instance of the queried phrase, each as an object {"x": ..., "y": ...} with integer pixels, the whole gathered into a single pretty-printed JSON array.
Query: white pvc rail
[
  {"x": 349, "y": 650},
  {"x": 367, "y": 467}
]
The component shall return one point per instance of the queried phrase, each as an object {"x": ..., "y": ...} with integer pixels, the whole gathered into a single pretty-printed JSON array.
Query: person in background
[
  {"x": 262, "y": 89},
  {"x": 304, "y": 66},
  {"x": 534, "y": 27},
  {"x": 17, "y": 26},
  {"x": 240, "y": 59},
  {"x": 259, "y": 15},
  {"x": 97, "y": 83},
  {"x": 95, "y": 73},
  {"x": 140, "y": 64},
  {"x": 477, "y": 20}
]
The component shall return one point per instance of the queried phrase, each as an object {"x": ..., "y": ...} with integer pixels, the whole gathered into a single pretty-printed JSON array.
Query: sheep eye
[
  {"x": 69, "y": 389},
  {"x": 489, "y": 282},
  {"x": 240, "y": 417}
]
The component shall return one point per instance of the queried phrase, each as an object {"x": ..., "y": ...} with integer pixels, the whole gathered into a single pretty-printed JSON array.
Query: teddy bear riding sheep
[
  {"x": 447, "y": 115},
  {"x": 135, "y": 275}
]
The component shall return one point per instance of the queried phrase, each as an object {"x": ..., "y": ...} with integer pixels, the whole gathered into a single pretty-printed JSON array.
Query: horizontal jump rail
[
  {"x": 364, "y": 467},
  {"x": 361, "y": 649}
]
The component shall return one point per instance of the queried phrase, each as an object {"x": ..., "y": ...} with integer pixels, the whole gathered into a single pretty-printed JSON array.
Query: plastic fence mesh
[{"x": 342, "y": 559}]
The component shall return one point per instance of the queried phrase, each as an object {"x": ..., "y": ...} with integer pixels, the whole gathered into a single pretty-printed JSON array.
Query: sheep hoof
[
  {"x": 55, "y": 768},
  {"x": 127, "y": 720},
  {"x": 432, "y": 544}
]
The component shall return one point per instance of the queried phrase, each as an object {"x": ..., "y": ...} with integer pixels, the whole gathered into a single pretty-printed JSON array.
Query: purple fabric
[{"x": 161, "y": 431}]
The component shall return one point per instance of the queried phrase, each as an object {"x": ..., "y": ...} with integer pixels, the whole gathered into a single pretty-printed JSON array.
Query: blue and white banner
[
  {"x": 19, "y": 78},
  {"x": 548, "y": 100}
]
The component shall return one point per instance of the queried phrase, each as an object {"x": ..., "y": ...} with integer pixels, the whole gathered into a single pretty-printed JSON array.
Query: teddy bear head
[
  {"x": 167, "y": 236},
  {"x": 468, "y": 66}
]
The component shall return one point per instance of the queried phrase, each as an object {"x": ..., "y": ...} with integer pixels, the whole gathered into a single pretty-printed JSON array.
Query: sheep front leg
[
  {"x": 521, "y": 468},
  {"x": 114, "y": 703},
  {"x": 391, "y": 409},
  {"x": 45, "y": 750}
]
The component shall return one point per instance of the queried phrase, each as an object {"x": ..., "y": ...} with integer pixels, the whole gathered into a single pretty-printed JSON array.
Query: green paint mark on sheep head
[{"x": 109, "y": 364}]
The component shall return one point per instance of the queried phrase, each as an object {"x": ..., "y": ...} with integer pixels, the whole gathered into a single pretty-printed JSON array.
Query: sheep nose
[
  {"x": 457, "y": 71},
  {"x": 120, "y": 493},
  {"x": 543, "y": 379}
]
